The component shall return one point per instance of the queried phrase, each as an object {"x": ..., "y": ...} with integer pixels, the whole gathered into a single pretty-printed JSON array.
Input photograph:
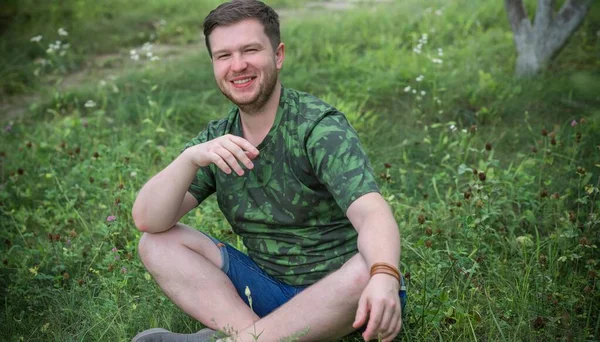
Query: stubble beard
[{"x": 255, "y": 104}]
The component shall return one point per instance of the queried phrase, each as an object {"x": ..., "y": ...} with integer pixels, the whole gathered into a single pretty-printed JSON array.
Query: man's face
[{"x": 245, "y": 65}]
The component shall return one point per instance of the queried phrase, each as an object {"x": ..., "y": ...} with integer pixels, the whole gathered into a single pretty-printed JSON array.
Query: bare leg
[
  {"x": 322, "y": 312},
  {"x": 186, "y": 265}
]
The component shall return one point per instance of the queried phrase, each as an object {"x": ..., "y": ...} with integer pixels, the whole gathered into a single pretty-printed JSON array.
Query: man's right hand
[{"x": 226, "y": 152}]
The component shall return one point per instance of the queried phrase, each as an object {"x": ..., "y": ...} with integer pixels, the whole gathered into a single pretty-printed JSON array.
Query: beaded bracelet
[{"x": 385, "y": 268}]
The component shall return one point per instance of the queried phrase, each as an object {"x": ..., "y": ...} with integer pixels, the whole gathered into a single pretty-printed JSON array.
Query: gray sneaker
[{"x": 164, "y": 335}]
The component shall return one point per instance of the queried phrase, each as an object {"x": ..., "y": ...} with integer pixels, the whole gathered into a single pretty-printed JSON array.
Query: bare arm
[
  {"x": 164, "y": 199},
  {"x": 378, "y": 241}
]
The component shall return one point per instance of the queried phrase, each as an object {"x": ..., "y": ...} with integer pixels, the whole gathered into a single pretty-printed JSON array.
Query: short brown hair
[{"x": 237, "y": 10}]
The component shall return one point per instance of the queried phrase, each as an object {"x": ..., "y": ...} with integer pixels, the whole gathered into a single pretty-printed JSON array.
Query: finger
[
  {"x": 395, "y": 324},
  {"x": 375, "y": 315},
  {"x": 231, "y": 161},
  {"x": 361, "y": 314},
  {"x": 245, "y": 145},
  {"x": 219, "y": 162},
  {"x": 386, "y": 320},
  {"x": 238, "y": 153}
]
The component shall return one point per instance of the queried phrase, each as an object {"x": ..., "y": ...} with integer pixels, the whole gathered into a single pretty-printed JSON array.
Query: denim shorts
[{"x": 267, "y": 292}]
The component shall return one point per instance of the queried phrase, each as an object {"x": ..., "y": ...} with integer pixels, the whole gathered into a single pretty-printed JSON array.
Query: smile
[{"x": 243, "y": 82}]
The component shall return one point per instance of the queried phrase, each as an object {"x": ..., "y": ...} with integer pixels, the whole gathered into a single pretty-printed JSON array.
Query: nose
[{"x": 238, "y": 63}]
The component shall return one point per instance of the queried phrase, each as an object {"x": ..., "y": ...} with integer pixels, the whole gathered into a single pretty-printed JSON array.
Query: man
[{"x": 294, "y": 182}]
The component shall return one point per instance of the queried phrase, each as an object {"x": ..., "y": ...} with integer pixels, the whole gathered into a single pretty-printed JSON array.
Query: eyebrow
[{"x": 243, "y": 47}]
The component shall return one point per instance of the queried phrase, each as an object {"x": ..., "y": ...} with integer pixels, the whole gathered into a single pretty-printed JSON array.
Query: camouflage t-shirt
[{"x": 290, "y": 208}]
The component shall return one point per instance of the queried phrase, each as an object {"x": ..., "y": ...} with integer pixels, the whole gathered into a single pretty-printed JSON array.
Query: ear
[{"x": 280, "y": 55}]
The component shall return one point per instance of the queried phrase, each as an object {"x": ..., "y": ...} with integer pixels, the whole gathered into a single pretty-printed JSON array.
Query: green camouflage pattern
[{"x": 290, "y": 209}]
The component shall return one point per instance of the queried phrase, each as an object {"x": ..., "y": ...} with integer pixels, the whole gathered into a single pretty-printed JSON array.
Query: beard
[{"x": 253, "y": 103}]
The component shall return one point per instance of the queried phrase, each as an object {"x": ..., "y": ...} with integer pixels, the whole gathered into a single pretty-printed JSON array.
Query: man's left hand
[{"x": 380, "y": 303}]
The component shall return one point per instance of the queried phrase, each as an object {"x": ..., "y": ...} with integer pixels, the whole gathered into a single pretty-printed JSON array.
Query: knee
[
  {"x": 358, "y": 278},
  {"x": 152, "y": 246}
]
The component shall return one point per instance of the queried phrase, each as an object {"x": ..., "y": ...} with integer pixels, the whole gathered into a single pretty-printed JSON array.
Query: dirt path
[{"x": 104, "y": 66}]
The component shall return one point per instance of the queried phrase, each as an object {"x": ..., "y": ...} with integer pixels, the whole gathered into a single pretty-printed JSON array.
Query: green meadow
[{"x": 494, "y": 181}]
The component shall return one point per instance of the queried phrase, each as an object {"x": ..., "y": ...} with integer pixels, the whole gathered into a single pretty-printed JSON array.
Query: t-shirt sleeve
[
  {"x": 203, "y": 184},
  {"x": 339, "y": 161}
]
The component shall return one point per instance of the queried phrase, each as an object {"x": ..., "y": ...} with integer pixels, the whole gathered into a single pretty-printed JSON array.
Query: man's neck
[{"x": 256, "y": 126}]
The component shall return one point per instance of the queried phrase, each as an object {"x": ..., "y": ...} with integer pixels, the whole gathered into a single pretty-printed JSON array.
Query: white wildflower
[
  {"x": 62, "y": 32},
  {"x": 62, "y": 53},
  {"x": 437, "y": 61},
  {"x": 438, "y": 12},
  {"x": 135, "y": 57},
  {"x": 440, "y": 52},
  {"x": 423, "y": 92},
  {"x": 453, "y": 128},
  {"x": 154, "y": 58},
  {"x": 36, "y": 72},
  {"x": 133, "y": 174},
  {"x": 414, "y": 91},
  {"x": 440, "y": 112},
  {"x": 420, "y": 78},
  {"x": 407, "y": 89},
  {"x": 90, "y": 104},
  {"x": 149, "y": 54},
  {"x": 418, "y": 98},
  {"x": 66, "y": 46},
  {"x": 133, "y": 52},
  {"x": 102, "y": 83},
  {"x": 147, "y": 47},
  {"x": 36, "y": 39}
]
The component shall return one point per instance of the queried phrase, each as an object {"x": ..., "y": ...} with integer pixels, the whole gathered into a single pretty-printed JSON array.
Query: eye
[
  {"x": 251, "y": 50},
  {"x": 223, "y": 56}
]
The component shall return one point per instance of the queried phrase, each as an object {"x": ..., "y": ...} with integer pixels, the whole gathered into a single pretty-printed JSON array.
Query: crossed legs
[{"x": 186, "y": 265}]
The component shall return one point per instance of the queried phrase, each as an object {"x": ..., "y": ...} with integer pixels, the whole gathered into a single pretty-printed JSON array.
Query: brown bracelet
[{"x": 385, "y": 268}]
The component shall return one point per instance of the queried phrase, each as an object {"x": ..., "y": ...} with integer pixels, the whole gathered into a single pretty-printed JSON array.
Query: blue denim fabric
[{"x": 267, "y": 292}]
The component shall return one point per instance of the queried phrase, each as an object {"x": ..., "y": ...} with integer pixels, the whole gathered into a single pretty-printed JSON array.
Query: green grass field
[{"x": 494, "y": 181}]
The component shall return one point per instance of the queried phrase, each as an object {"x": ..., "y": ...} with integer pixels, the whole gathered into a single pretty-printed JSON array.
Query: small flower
[
  {"x": 123, "y": 269},
  {"x": 36, "y": 39},
  {"x": 573, "y": 123},
  {"x": 102, "y": 83},
  {"x": 8, "y": 128},
  {"x": 428, "y": 243},
  {"x": 544, "y": 132},
  {"x": 482, "y": 176},
  {"x": 154, "y": 58},
  {"x": 407, "y": 89},
  {"x": 428, "y": 231},
  {"x": 438, "y": 12},
  {"x": 62, "y": 32},
  {"x": 133, "y": 174},
  {"x": 114, "y": 249},
  {"x": 421, "y": 219},
  {"x": 90, "y": 104},
  {"x": 420, "y": 78},
  {"x": 110, "y": 218},
  {"x": 135, "y": 57},
  {"x": 423, "y": 92}
]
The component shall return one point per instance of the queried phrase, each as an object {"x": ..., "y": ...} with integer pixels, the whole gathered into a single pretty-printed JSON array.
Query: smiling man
[{"x": 293, "y": 181}]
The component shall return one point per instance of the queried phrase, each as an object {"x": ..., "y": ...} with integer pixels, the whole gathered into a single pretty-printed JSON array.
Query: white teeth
[{"x": 245, "y": 80}]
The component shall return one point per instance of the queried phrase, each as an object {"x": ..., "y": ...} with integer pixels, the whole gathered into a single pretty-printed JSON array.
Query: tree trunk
[{"x": 536, "y": 44}]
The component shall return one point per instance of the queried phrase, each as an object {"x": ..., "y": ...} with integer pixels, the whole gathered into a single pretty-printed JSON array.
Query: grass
[{"x": 511, "y": 257}]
